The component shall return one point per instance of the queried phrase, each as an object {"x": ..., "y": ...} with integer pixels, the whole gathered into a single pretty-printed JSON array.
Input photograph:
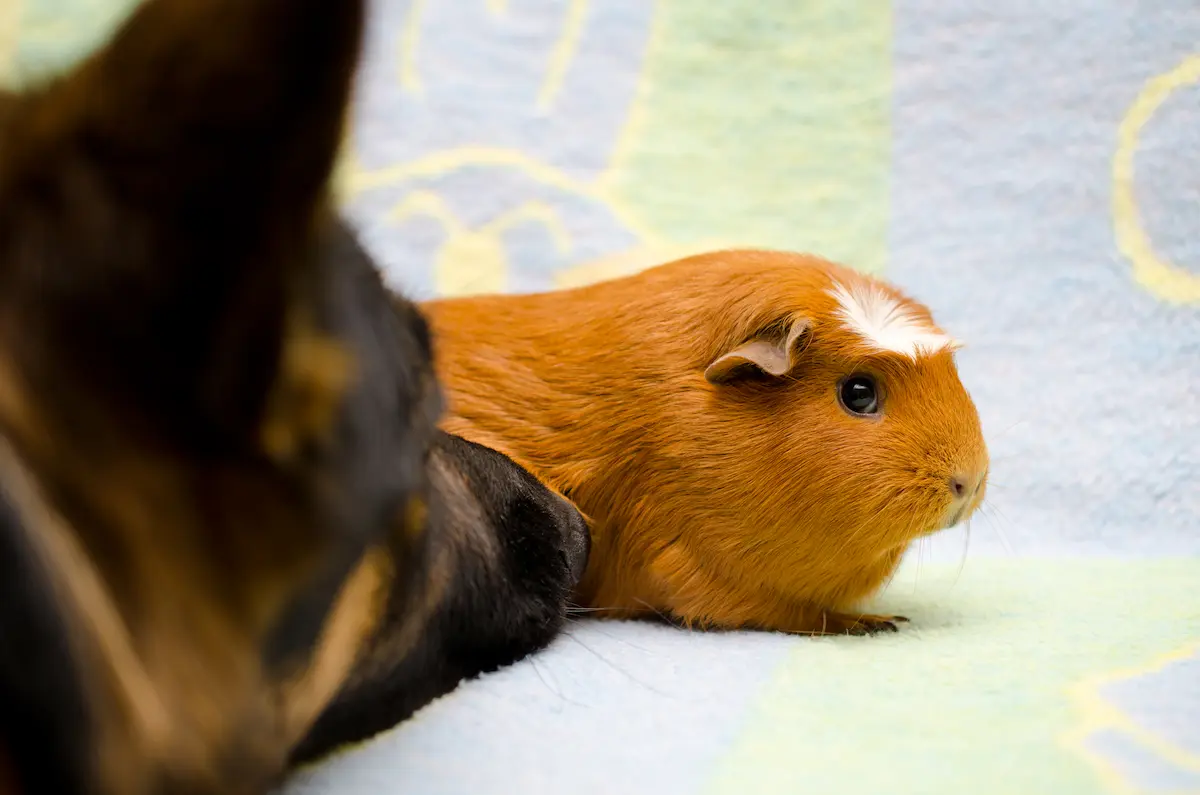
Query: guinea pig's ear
[{"x": 774, "y": 353}]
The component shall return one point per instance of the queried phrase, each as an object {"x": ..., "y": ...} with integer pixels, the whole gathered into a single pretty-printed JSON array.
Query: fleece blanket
[{"x": 1030, "y": 170}]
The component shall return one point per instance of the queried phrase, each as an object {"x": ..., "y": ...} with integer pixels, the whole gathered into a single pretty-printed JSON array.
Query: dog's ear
[
  {"x": 773, "y": 353},
  {"x": 160, "y": 206}
]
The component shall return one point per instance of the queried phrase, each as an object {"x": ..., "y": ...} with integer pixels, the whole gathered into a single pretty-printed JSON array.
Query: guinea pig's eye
[{"x": 858, "y": 395}]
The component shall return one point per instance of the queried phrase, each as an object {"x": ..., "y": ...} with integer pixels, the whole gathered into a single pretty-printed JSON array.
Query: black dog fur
[{"x": 231, "y": 536}]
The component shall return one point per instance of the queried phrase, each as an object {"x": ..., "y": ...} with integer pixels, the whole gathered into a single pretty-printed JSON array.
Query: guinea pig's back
[
  {"x": 671, "y": 307},
  {"x": 528, "y": 373}
]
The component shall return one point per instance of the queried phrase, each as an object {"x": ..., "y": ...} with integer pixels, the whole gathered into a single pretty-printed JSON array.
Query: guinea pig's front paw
[{"x": 858, "y": 624}]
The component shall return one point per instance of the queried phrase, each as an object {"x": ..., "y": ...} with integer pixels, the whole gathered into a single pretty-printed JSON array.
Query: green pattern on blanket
[
  {"x": 996, "y": 691},
  {"x": 697, "y": 161}
]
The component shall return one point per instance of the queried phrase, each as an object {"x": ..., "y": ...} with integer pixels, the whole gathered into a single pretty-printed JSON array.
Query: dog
[{"x": 233, "y": 537}]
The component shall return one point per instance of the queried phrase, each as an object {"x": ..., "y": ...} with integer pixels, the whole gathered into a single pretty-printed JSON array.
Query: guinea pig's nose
[
  {"x": 964, "y": 486},
  {"x": 958, "y": 486}
]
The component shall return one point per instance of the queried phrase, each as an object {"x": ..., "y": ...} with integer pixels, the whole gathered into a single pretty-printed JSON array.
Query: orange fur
[{"x": 728, "y": 501}]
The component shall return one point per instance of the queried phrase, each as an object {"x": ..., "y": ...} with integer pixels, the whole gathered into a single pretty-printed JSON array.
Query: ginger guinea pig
[{"x": 756, "y": 436}]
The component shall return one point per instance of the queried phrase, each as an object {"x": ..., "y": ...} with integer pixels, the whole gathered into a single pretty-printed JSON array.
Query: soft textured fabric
[{"x": 1031, "y": 171}]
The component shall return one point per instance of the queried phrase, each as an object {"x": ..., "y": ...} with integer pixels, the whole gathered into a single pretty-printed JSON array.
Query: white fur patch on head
[{"x": 886, "y": 323}]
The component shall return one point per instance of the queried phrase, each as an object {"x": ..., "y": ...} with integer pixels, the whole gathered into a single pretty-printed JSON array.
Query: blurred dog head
[{"x": 210, "y": 418}]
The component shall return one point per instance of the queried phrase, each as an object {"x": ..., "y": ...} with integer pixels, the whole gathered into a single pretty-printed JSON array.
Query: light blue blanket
[{"x": 1031, "y": 171}]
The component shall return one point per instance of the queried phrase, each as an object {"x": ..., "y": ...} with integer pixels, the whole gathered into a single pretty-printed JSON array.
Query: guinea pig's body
[{"x": 755, "y": 436}]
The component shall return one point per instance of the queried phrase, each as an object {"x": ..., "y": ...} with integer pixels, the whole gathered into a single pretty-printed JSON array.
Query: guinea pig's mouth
[
  {"x": 962, "y": 512},
  {"x": 958, "y": 515}
]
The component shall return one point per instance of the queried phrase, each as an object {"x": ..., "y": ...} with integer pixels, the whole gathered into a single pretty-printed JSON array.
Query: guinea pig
[{"x": 756, "y": 437}]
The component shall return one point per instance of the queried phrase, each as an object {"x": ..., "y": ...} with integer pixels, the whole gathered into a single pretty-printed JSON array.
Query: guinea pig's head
[{"x": 867, "y": 438}]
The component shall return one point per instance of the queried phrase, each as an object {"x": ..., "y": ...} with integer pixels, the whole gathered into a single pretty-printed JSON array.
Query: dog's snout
[{"x": 577, "y": 544}]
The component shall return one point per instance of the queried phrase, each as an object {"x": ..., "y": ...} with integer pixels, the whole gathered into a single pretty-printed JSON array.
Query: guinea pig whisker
[
  {"x": 658, "y": 612},
  {"x": 616, "y": 668},
  {"x": 1005, "y": 458},
  {"x": 991, "y": 512},
  {"x": 891, "y": 576},
  {"x": 581, "y": 610},
  {"x": 917, "y": 573},
  {"x": 596, "y": 628},
  {"x": 966, "y": 544},
  {"x": 996, "y": 511},
  {"x": 537, "y": 670},
  {"x": 1009, "y": 429}
]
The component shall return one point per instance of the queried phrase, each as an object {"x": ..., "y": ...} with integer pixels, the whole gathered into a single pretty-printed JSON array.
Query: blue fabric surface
[{"x": 1031, "y": 171}]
